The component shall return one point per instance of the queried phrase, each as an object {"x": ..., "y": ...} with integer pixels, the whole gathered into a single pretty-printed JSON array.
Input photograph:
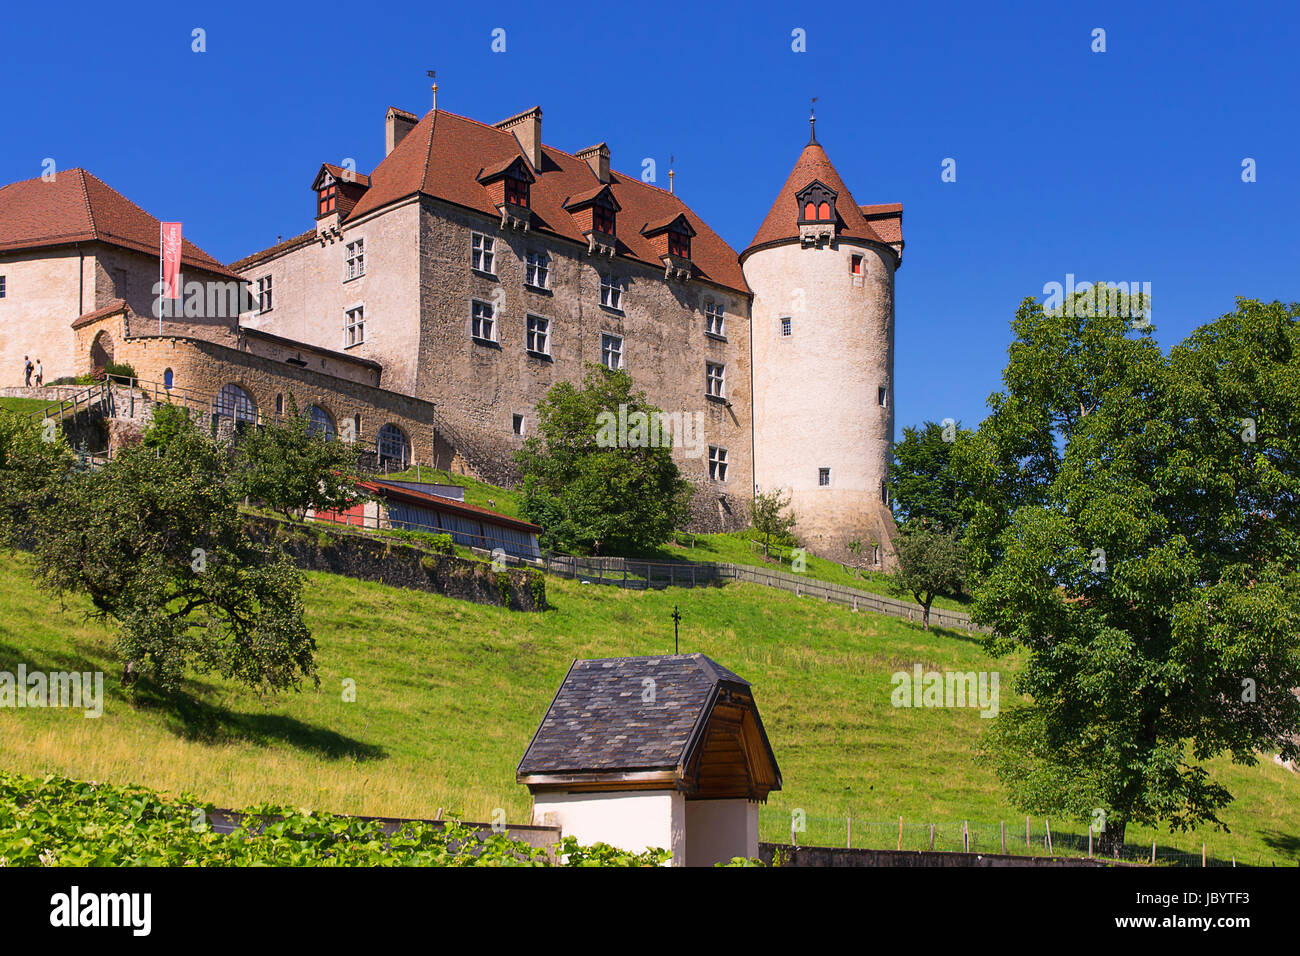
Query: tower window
[
  {"x": 717, "y": 463},
  {"x": 785, "y": 328},
  {"x": 2, "y": 287},
  {"x": 517, "y": 423},
  {"x": 882, "y": 396},
  {"x": 824, "y": 477},
  {"x": 816, "y": 202},
  {"x": 611, "y": 351},
  {"x": 482, "y": 321},
  {"x": 855, "y": 265},
  {"x": 482, "y": 257},
  {"x": 714, "y": 373}
]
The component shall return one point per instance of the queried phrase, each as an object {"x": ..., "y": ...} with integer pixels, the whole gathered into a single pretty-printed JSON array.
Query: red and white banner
[{"x": 171, "y": 260}]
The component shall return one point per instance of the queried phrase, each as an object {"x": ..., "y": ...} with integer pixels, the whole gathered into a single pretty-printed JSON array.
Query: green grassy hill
[{"x": 449, "y": 693}]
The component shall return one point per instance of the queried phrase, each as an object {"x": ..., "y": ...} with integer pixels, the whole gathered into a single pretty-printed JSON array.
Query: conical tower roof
[{"x": 782, "y": 222}]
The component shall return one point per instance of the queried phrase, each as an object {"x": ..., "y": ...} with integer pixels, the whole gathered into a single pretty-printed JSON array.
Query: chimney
[
  {"x": 527, "y": 127},
  {"x": 597, "y": 158},
  {"x": 396, "y": 125}
]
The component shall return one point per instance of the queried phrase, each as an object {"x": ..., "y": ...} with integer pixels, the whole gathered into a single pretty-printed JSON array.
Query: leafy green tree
[
  {"x": 770, "y": 516},
  {"x": 166, "y": 422},
  {"x": 930, "y": 563},
  {"x": 1137, "y": 534},
  {"x": 291, "y": 469},
  {"x": 594, "y": 477},
  {"x": 155, "y": 540},
  {"x": 928, "y": 485},
  {"x": 31, "y": 470}
]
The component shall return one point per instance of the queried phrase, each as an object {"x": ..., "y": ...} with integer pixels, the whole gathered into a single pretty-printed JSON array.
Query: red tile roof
[
  {"x": 782, "y": 219},
  {"x": 445, "y": 153},
  {"x": 77, "y": 207},
  {"x": 299, "y": 240},
  {"x": 410, "y": 495},
  {"x": 117, "y": 305}
]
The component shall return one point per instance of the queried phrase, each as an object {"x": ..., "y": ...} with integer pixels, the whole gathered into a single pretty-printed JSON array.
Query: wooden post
[
  {"x": 1090, "y": 841},
  {"x": 965, "y": 836},
  {"x": 900, "y": 833},
  {"x": 1003, "y": 824},
  {"x": 1028, "y": 846},
  {"x": 1048, "y": 823},
  {"x": 848, "y": 842},
  {"x": 1202, "y": 854},
  {"x": 932, "y": 836},
  {"x": 1153, "y": 852}
]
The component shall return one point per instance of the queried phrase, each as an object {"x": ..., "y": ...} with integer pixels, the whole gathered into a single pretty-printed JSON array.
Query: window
[
  {"x": 679, "y": 244},
  {"x": 855, "y": 265},
  {"x": 785, "y": 328},
  {"x": 328, "y": 197},
  {"x": 279, "y": 403},
  {"x": 823, "y": 477},
  {"x": 713, "y": 318},
  {"x": 875, "y": 554},
  {"x": 319, "y": 422},
  {"x": 482, "y": 321},
  {"x": 168, "y": 378},
  {"x": 882, "y": 396},
  {"x": 611, "y": 350},
  {"x": 356, "y": 256},
  {"x": 538, "y": 335},
  {"x": 517, "y": 191},
  {"x": 392, "y": 445},
  {"x": 713, "y": 374},
  {"x": 518, "y": 424},
  {"x": 2, "y": 287},
  {"x": 481, "y": 255},
  {"x": 537, "y": 270},
  {"x": 611, "y": 292},
  {"x": 264, "y": 303},
  {"x": 717, "y": 463},
  {"x": 602, "y": 220},
  {"x": 233, "y": 402},
  {"x": 354, "y": 326}
]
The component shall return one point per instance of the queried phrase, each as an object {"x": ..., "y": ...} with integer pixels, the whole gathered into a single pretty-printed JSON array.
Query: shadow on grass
[
  {"x": 201, "y": 722},
  {"x": 1288, "y": 844}
]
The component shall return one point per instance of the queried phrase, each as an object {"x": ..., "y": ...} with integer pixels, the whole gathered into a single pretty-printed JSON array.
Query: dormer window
[
  {"x": 594, "y": 212},
  {"x": 670, "y": 239},
  {"x": 602, "y": 220},
  {"x": 517, "y": 191},
  {"x": 327, "y": 196},
  {"x": 816, "y": 203}
]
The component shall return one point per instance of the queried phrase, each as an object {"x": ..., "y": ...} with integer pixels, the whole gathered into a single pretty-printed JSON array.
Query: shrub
[{"x": 120, "y": 370}]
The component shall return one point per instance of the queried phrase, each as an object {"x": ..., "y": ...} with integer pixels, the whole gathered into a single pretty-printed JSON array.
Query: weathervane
[
  {"x": 812, "y": 122},
  {"x": 671, "y": 160},
  {"x": 676, "y": 620}
]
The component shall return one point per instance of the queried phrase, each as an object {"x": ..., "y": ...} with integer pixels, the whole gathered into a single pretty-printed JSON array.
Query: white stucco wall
[
  {"x": 718, "y": 830},
  {"x": 632, "y": 820}
]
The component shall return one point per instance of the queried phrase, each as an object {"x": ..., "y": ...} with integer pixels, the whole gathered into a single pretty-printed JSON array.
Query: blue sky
[{"x": 1123, "y": 165}]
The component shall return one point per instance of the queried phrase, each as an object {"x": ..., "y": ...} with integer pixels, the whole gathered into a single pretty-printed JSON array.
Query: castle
[{"x": 439, "y": 297}]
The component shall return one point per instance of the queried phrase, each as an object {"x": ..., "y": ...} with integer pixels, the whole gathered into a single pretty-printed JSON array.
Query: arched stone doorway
[{"x": 101, "y": 351}]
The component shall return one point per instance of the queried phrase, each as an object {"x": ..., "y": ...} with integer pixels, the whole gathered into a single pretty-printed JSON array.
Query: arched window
[
  {"x": 233, "y": 402},
  {"x": 393, "y": 445},
  {"x": 319, "y": 422},
  {"x": 810, "y": 211},
  {"x": 168, "y": 378},
  {"x": 824, "y": 211}
]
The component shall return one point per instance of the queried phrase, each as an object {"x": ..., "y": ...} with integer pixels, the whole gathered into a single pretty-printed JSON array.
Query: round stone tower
[{"x": 822, "y": 271}]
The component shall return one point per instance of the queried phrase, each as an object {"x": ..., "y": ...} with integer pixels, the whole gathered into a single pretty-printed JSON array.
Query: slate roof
[
  {"x": 598, "y": 721},
  {"x": 79, "y": 207},
  {"x": 872, "y": 223}
]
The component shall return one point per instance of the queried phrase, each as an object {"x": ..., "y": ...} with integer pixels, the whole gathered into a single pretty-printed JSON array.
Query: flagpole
[{"x": 162, "y": 230}]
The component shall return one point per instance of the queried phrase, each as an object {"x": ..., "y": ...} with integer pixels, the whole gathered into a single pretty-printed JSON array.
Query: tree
[
  {"x": 1137, "y": 534},
  {"x": 290, "y": 468},
  {"x": 930, "y": 563},
  {"x": 599, "y": 477},
  {"x": 928, "y": 486},
  {"x": 155, "y": 540},
  {"x": 31, "y": 469},
  {"x": 770, "y": 516}
]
